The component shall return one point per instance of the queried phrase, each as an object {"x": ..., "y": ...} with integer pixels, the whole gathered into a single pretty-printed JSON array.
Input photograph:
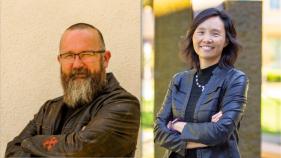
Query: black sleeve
[
  {"x": 163, "y": 136},
  {"x": 14, "y": 148}
]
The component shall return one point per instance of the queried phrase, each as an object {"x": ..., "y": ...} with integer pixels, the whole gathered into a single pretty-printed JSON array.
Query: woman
[{"x": 203, "y": 107}]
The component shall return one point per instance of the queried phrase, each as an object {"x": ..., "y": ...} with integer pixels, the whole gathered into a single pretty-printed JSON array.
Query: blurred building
[
  {"x": 271, "y": 36},
  {"x": 271, "y": 79}
]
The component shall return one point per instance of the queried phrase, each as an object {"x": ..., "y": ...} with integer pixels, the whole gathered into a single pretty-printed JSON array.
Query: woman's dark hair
[{"x": 229, "y": 53}]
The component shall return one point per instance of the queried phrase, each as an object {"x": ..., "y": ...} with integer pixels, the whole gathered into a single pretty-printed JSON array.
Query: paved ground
[
  {"x": 148, "y": 145},
  {"x": 271, "y": 146},
  {"x": 270, "y": 150}
]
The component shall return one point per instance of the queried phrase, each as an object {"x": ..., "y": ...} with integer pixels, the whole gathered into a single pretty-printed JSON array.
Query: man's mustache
[{"x": 78, "y": 72}]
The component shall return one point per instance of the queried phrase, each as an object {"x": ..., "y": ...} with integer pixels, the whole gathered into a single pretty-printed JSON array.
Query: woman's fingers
[
  {"x": 169, "y": 125},
  {"x": 214, "y": 116},
  {"x": 217, "y": 116}
]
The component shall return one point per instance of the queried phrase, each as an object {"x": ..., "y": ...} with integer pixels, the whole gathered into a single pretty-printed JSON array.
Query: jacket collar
[
  {"x": 112, "y": 83},
  {"x": 184, "y": 83}
]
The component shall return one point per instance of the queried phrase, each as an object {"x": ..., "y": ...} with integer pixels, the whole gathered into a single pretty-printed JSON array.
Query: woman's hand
[
  {"x": 178, "y": 126},
  {"x": 217, "y": 116},
  {"x": 170, "y": 124}
]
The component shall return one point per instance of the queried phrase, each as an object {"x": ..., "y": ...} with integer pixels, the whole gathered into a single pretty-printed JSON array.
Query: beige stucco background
[{"x": 30, "y": 32}]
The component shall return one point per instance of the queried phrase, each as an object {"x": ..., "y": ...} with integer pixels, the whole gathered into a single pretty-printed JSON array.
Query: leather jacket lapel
[
  {"x": 51, "y": 118},
  {"x": 214, "y": 83},
  {"x": 187, "y": 85}
]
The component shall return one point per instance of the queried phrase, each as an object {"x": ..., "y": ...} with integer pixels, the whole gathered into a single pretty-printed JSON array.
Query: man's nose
[{"x": 77, "y": 63}]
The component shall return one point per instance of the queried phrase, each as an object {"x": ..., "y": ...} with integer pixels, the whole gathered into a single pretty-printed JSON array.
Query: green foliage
[
  {"x": 273, "y": 76},
  {"x": 147, "y": 113},
  {"x": 147, "y": 119},
  {"x": 271, "y": 115}
]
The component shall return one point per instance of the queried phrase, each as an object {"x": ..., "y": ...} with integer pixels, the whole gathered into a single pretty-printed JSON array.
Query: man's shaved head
[{"x": 81, "y": 26}]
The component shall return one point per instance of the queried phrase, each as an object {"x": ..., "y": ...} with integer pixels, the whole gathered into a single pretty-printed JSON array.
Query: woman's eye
[{"x": 216, "y": 34}]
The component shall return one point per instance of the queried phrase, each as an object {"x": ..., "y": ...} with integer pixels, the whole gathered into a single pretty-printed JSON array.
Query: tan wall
[{"x": 30, "y": 31}]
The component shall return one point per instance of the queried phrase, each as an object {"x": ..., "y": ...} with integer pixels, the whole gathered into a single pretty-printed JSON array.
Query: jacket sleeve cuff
[{"x": 188, "y": 134}]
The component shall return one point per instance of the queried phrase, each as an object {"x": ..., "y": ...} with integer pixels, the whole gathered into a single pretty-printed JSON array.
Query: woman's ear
[{"x": 226, "y": 43}]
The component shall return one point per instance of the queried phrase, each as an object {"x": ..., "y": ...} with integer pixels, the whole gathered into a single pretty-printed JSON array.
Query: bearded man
[{"x": 95, "y": 117}]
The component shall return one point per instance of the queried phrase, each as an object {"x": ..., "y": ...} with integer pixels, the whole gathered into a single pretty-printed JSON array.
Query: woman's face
[{"x": 209, "y": 40}]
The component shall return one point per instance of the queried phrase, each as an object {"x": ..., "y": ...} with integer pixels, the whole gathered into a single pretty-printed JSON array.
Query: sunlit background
[{"x": 271, "y": 70}]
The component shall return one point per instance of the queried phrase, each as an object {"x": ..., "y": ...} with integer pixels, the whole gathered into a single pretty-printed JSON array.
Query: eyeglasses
[{"x": 85, "y": 56}]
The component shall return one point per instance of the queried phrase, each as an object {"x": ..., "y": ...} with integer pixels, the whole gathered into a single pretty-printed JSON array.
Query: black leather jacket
[
  {"x": 225, "y": 91},
  {"x": 108, "y": 127}
]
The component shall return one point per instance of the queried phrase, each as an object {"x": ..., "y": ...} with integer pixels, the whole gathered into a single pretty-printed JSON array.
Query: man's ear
[
  {"x": 58, "y": 58},
  {"x": 107, "y": 56}
]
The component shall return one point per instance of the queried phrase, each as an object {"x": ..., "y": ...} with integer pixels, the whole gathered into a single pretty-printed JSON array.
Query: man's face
[
  {"x": 82, "y": 76},
  {"x": 79, "y": 40}
]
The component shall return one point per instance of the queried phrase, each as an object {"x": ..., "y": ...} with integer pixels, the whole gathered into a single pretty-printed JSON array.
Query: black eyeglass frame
[{"x": 93, "y": 52}]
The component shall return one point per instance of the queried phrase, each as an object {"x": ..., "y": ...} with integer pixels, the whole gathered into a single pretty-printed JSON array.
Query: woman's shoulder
[
  {"x": 182, "y": 75},
  {"x": 234, "y": 72},
  {"x": 237, "y": 75}
]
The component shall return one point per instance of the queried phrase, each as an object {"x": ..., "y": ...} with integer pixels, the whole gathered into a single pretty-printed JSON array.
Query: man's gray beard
[{"x": 79, "y": 92}]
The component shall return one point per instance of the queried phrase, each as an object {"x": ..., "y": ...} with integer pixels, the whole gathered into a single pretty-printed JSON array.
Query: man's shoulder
[
  {"x": 53, "y": 102},
  {"x": 122, "y": 102},
  {"x": 114, "y": 91},
  {"x": 57, "y": 99},
  {"x": 119, "y": 99},
  {"x": 121, "y": 94}
]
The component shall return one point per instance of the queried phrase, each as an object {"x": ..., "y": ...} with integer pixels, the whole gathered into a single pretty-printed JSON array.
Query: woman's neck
[{"x": 207, "y": 63}]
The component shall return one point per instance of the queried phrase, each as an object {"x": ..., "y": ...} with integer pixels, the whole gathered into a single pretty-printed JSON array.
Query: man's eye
[
  {"x": 86, "y": 54},
  {"x": 67, "y": 56}
]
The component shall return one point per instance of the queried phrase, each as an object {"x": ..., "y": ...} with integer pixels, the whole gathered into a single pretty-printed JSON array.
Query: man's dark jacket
[
  {"x": 226, "y": 91},
  {"x": 107, "y": 127}
]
